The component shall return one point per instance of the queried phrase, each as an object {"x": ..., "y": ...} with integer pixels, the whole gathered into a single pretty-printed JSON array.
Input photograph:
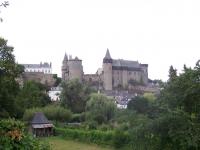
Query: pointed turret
[
  {"x": 65, "y": 57},
  {"x": 107, "y": 58}
]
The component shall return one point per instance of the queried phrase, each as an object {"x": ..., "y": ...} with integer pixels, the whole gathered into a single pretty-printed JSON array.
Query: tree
[
  {"x": 31, "y": 95},
  {"x": 53, "y": 112},
  {"x": 58, "y": 80},
  {"x": 9, "y": 71},
  {"x": 139, "y": 104},
  {"x": 99, "y": 108},
  {"x": 75, "y": 95},
  {"x": 182, "y": 92},
  {"x": 172, "y": 73},
  {"x": 3, "y": 4}
]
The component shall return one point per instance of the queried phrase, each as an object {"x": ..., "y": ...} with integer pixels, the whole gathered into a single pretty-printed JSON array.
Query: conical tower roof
[
  {"x": 65, "y": 57},
  {"x": 107, "y": 58},
  {"x": 107, "y": 55}
]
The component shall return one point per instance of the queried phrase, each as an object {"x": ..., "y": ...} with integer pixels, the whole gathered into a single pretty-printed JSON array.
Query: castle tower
[
  {"x": 75, "y": 69},
  {"x": 107, "y": 69},
  {"x": 65, "y": 68}
]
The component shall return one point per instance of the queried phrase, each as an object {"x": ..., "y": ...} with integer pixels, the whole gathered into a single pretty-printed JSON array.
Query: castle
[{"x": 115, "y": 73}]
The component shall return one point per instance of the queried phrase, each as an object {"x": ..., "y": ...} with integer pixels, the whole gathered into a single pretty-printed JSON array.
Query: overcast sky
[{"x": 157, "y": 32}]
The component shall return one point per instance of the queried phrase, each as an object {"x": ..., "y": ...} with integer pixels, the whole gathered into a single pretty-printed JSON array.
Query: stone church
[{"x": 114, "y": 74}]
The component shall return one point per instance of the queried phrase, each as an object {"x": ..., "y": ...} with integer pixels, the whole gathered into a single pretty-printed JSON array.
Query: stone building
[
  {"x": 115, "y": 73},
  {"x": 72, "y": 68},
  {"x": 45, "y": 67},
  {"x": 120, "y": 73}
]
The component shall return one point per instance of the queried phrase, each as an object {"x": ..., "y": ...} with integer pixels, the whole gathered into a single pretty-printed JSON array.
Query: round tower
[{"x": 107, "y": 69}]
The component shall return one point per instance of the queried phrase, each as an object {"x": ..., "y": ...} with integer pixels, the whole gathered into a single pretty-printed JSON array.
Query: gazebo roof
[{"x": 39, "y": 118}]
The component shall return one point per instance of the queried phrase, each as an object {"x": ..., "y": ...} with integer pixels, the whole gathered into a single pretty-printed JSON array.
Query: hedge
[{"x": 111, "y": 138}]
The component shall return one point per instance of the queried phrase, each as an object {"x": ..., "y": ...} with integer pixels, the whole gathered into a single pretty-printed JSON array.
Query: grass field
[{"x": 58, "y": 143}]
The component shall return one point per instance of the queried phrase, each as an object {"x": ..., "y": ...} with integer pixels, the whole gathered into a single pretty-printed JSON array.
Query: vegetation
[
  {"x": 100, "y": 109},
  {"x": 53, "y": 112},
  {"x": 32, "y": 94},
  {"x": 168, "y": 121},
  {"x": 13, "y": 136},
  {"x": 9, "y": 88},
  {"x": 58, "y": 143},
  {"x": 75, "y": 95}
]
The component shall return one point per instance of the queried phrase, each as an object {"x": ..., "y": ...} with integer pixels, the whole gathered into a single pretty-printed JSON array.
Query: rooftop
[
  {"x": 41, "y": 65},
  {"x": 39, "y": 118}
]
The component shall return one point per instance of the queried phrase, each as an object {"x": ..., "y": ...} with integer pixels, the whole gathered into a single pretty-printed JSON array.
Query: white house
[
  {"x": 45, "y": 67},
  {"x": 54, "y": 93}
]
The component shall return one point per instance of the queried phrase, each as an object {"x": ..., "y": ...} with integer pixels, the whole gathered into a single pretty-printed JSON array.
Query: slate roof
[
  {"x": 39, "y": 118},
  {"x": 44, "y": 65},
  {"x": 107, "y": 55},
  {"x": 65, "y": 57},
  {"x": 125, "y": 63}
]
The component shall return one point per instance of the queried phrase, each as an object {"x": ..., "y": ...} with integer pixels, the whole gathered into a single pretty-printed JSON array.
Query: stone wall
[
  {"x": 75, "y": 69},
  {"x": 39, "y": 77}
]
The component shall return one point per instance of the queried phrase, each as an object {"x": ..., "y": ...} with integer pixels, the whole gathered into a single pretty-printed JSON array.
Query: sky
[{"x": 159, "y": 33}]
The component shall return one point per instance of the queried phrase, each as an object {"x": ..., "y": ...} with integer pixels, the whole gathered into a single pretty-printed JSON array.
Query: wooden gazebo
[{"x": 41, "y": 126}]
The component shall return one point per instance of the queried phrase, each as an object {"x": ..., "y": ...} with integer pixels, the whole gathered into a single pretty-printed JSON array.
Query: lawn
[{"x": 58, "y": 143}]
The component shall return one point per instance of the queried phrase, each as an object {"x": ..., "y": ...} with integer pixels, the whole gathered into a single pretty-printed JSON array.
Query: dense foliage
[
  {"x": 14, "y": 137},
  {"x": 112, "y": 138},
  {"x": 176, "y": 125},
  {"x": 99, "y": 108},
  {"x": 32, "y": 94},
  {"x": 9, "y": 71},
  {"x": 52, "y": 112},
  {"x": 75, "y": 95}
]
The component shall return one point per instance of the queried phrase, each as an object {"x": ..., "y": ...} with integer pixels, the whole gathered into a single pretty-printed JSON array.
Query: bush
[
  {"x": 92, "y": 136},
  {"x": 120, "y": 138},
  {"x": 52, "y": 112},
  {"x": 78, "y": 117},
  {"x": 13, "y": 136},
  {"x": 95, "y": 136}
]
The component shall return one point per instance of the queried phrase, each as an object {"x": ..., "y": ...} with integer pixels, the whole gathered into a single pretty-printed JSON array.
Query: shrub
[
  {"x": 78, "y": 117},
  {"x": 92, "y": 136},
  {"x": 111, "y": 138},
  {"x": 120, "y": 138},
  {"x": 13, "y": 136},
  {"x": 52, "y": 112}
]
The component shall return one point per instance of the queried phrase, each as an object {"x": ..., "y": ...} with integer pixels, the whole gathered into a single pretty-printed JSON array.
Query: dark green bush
[
  {"x": 78, "y": 117},
  {"x": 120, "y": 138}
]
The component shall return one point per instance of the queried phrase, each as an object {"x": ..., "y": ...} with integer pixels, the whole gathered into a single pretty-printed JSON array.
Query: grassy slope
[{"x": 58, "y": 143}]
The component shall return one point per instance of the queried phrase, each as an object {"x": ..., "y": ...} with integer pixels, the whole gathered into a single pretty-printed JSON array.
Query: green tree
[
  {"x": 31, "y": 95},
  {"x": 75, "y": 95},
  {"x": 139, "y": 104},
  {"x": 99, "y": 108},
  {"x": 182, "y": 92},
  {"x": 172, "y": 73},
  {"x": 9, "y": 71}
]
